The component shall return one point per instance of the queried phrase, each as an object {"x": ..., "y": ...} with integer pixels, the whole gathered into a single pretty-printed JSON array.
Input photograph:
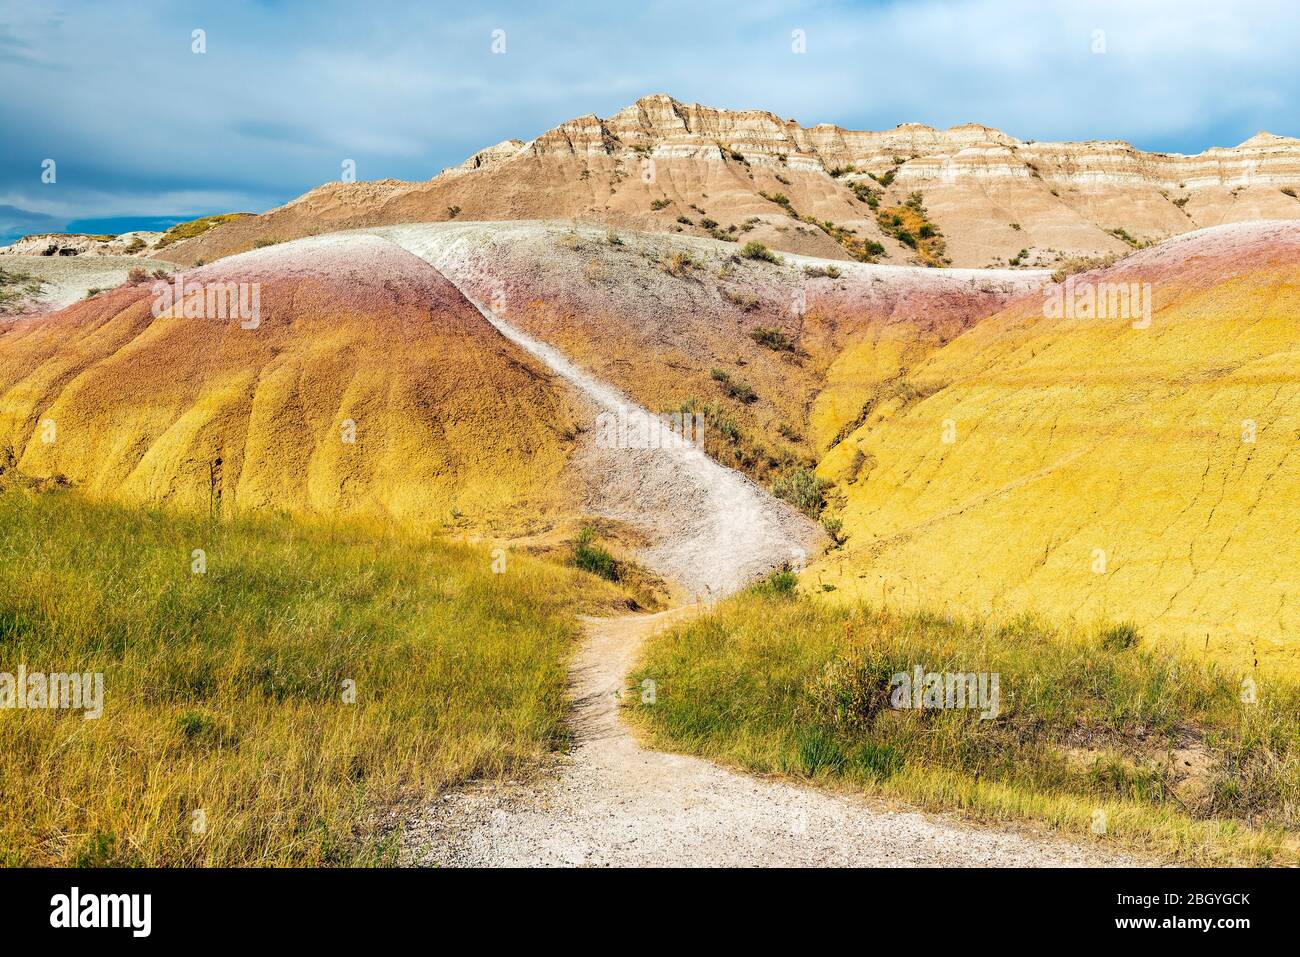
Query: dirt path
[
  {"x": 611, "y": 802},
  {"x": 712, "y": 530}
]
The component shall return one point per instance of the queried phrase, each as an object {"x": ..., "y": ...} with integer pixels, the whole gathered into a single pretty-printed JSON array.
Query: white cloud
[{"x": 285, "y": 92}]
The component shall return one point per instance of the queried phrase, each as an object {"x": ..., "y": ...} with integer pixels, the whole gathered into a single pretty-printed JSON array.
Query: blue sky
[{"x": 145, "y": 131}]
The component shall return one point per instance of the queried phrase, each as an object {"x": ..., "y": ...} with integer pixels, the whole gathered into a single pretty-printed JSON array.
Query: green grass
[
  {"x": 224, "y": 692},
  {"x": 592, "y": 557},
  {"x": 792, "y": 685}
]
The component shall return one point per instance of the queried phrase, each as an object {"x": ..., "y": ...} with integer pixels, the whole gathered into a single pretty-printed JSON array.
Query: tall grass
[
  {"x": 1164, "y": 747},
  {"x": 227, "y": 693}
]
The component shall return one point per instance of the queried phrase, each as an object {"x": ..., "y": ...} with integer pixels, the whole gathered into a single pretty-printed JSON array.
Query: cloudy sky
[{"x": 144, "y": 131}]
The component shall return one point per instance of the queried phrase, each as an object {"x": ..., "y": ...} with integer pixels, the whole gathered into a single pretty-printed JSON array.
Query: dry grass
[
  {"x": 678, "y": 263},
  {"x": 1077, "y": 264},
  {"x": 1087, "y": 722},
  {"x": 224, "y": 692}
]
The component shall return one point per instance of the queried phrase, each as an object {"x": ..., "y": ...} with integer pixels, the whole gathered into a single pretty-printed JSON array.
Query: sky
[{"x": 145, "y": 131}]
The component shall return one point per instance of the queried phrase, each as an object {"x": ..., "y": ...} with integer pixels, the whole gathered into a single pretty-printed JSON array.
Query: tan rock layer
[{"x": 996, "y": 199}]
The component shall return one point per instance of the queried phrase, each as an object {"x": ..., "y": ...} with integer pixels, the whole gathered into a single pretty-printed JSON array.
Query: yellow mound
[
  {"x": 1091, "y": 470},
  {"x": 369, "y": 385}
]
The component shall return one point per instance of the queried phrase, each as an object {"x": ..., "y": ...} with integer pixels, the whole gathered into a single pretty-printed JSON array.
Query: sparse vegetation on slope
[
  {"x": 1078, "y": 264},
  {"x": 735, "y": 388},
  {"x": 773, "y": 338},
  {"x": 195, "y": 227},
  {"x": 678, "y": 263},
  {"x": 17, "y": 288},
  {"x": 803, "y": 489},
  {"x": 910, "y": 225},
  {"x": 1123, "y": 234}
]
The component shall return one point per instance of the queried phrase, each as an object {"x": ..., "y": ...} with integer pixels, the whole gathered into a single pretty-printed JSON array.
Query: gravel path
[
  {"x": 611, "y": 802},
  {"x": 712, "y": 530}
]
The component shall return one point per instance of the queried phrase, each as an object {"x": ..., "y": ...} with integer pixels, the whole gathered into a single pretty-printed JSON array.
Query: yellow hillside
[
  {"x": 370, "y": 385},
  {"x": 1099, "y": 471}
]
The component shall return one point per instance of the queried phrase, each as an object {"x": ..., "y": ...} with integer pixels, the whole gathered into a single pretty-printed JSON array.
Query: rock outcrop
[
  {"x": 989, "y": 199},
  {"x": 139, "y": 243}
]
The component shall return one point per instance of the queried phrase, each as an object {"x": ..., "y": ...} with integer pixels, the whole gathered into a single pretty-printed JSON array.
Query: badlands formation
[
  {"x": 363, "y": 383},
  {"x": 979, "y": 451},
  {"x": 824, "y": 191},
  {"x": 1136, "y": 467}
]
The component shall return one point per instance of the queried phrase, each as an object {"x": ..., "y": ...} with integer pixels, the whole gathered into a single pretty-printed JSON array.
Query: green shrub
[
  {"x": 736, "y": 388},
  {"x": 591, "y": 557},
  {"x": 756, "y": 250},
  {"x": 773, "y": 338},
  {"x": 780, "y": 584},
  {"x": 1121, "y": 636},
  {"x": 804, "y": 489}
]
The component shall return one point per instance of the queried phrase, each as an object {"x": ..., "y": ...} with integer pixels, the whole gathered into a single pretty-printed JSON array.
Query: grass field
[
  {"x": 1094, "y": 732},
  {"x": 269, "y": 707}
]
